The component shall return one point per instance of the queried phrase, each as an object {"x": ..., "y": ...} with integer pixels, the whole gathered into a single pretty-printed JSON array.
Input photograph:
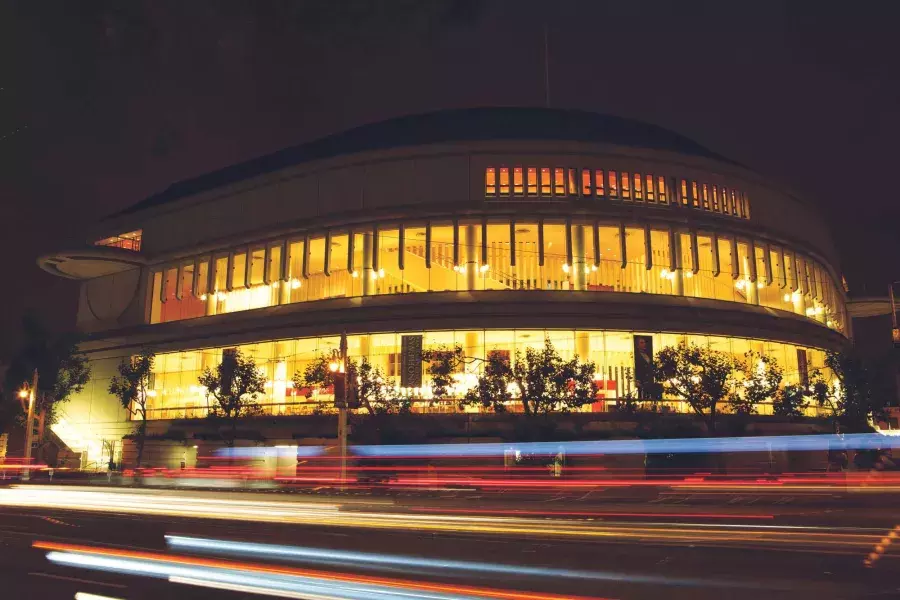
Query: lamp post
[
  {"x": 338, "y": 366},
  {"x": 29, "y": 425}
]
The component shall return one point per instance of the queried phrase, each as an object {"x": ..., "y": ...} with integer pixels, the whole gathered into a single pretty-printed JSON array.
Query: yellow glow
[{"x": 23, "y": 394}]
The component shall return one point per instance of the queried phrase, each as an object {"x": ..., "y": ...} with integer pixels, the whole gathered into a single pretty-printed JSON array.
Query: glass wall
[
  {"x": 176, "y": 393},
  {"x": 475, "y": 255}
]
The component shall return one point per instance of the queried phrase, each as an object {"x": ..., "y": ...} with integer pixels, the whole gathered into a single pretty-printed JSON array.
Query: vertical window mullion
[
  {"x": 735, "y": 261},
  {"x": 267, "y": 257},
  {"x": 695, "y": 253},
  {"x": 376, "y": 247},
  {"x": 283, "y": 255},
  {"x": 304, "y": 264},
  {"x": 162, "y": 285},
  {"x": 229, "y": 275},
  {"x": 195, "y": 279},
  {"x": 211, "y": 275},
  {"x": 401, "y": 243},
  {"x": 541, "y": 243},
  {"x": 751, "y": 248},
  {"x": 784, "y": 268},
  {"x": 623, "y": 247},
  {"x": 648, "y": 248},
  {"x": 248, "y": 260},
  {"x": 596, "y": 239},
  {"x": 455, "y": 242},
  {"x": 512, "y": 242},
  {"x": 484, "y": 242},
  {"x": 428, "y": 245},
  {"x": 351, "y": 251},
  {"x": 327, "y": 264},
  {"x": 179, "y": 275},
  {"x": 717, "y": 264},
  {"x": 673, "y": 249}
]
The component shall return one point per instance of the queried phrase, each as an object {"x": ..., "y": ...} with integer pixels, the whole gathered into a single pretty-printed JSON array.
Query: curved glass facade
[
  {"x": 526, "y": 254},
  {"x": 177, "y": 394}
]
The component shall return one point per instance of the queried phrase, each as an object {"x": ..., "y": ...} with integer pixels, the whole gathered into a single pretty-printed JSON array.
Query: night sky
[{"x": 105, "y": 103}]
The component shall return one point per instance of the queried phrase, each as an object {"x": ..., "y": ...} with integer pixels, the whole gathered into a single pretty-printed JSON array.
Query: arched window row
[
  {"x": 618, "y": 186},
  {"x": 461, "y": 255}
]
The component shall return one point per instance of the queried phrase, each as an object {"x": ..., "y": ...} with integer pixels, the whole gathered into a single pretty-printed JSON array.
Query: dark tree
[
  {"x": 790, "y": 401},
  {"x": 849, "y": 393},
  {"x": 234, "y": 385},
  {"x": 367, "y": 382},
  {"x": 701, "y": 377},
  {"x": 760, "y": 382},
  {"x": 316, "y": 375},
  {"x": 62, "y": 371},
  {"x": 543, "y": 381},
  {"x": 375, "y": 393},
  {"x": 130, "y": 387},
  {"x": 442, "y": 362}
]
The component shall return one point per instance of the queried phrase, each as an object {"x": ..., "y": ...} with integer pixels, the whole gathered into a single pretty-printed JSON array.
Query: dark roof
[{"x": 472, "y": 124}]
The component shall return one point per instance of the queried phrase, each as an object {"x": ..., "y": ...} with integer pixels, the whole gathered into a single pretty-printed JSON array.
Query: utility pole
[
  {"x": 29, "y": 428},
  {"x": 342, "y": 410},
  {"x": 895, "y": 328}
]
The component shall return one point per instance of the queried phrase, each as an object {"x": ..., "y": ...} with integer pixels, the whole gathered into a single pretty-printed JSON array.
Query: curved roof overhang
[{"x": 90, "y": 262}]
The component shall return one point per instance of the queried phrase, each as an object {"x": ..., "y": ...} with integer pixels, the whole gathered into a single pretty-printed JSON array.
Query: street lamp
[{"x": 27, "y": 392}]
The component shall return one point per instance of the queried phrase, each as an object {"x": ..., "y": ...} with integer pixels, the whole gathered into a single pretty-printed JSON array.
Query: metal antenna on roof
[{"x": 546, "y": 67}]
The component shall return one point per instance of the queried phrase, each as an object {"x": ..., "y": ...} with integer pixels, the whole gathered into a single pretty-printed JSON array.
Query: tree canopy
[
  {"x": 235, "y": 385},
  {"x": 540, "y": 378},
  {"x": 62, "y": 370},
  {"x": 702, "y": 377},
  {"x": 130, "y": 387}
]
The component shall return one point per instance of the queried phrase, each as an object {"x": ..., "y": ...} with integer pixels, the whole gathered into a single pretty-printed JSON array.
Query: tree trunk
[
  {"x": 230, "y": 441},
  {"x": 141, "y": 438}
]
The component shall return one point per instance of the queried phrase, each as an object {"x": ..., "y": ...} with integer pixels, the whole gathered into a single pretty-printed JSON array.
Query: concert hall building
[{"x": 493, "y": 229}]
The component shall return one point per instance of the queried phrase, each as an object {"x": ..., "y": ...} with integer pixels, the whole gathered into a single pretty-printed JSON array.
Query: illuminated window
[
  {"x": 545, "y": 181},
  {"x": 745, "y": 202},
  {"x": 695, "y": 196},
  {"x": 661, "y": 189},
  {"x": 126, "y": 241},
  {"x": 733, "y": 203},
  {"x": 725, "y": 200},
  {"x": 649, "y": 189},
  {"x": 613, "y": 185},
  {"x": 571, "y": 182},
  {"x": 626, "y": 186},
  {"x": 705, "y": 196},
  {"x": 638, "y": 187},
  {"x": 518, "y": 183},
  {"x": 599, "y": 183},
  {"x": 715, "y": 198},
  {"x": 532, "y": 181},
  {"x": 559, "y": 182},
  {"x": 504, "y": 181},
  {"x": 586, "y": 183},
  {"x": 490, "y": 182}
]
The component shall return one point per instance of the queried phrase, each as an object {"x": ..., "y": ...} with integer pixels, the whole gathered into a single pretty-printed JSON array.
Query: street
[{"x": 448, "y": 545}]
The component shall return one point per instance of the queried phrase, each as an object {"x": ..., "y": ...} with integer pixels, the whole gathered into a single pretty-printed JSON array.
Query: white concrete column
[
  {"x": 579, "y": 264},
  {"x": 368, "y": 282},
  {"x": 471, "y": 264}
]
